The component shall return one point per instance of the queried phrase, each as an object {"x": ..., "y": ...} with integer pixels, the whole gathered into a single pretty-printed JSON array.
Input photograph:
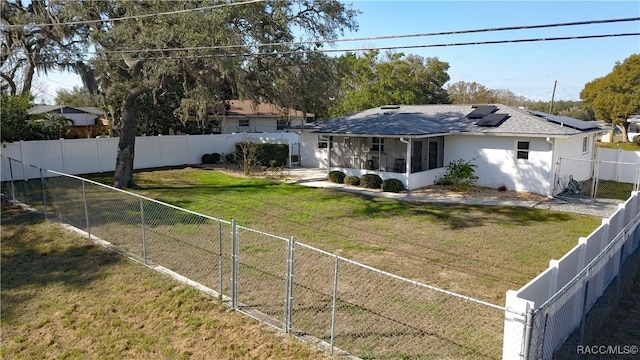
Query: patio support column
[{"x": 407, "y": 164}]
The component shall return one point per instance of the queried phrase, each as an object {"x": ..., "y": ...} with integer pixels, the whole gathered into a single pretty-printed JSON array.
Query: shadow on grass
[{"x": 35, "y": 256}]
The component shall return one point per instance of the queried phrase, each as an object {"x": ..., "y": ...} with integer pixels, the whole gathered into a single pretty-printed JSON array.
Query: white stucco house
[
  {"x": 247, "y": 116},
  {"x": 414, "y": 143}
]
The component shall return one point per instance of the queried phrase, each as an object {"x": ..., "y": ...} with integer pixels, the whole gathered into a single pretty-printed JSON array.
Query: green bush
[
  {"x": 215, "y": 157},
  {"x": 352, "y": 180},
  {"x": 230, "y": 158},
  {"x": 392, "y": 185},
  {"x": 636, "y": 140},
  {"x": 460, "y": 174},
  {"x": 206, "y": 159},
  {"x": 336, "y": 177},
  {"x": 371, "y": 181},
  {"x": 264, "y": 154}
]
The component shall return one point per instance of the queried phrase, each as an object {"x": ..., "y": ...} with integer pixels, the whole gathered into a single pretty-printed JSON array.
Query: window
[
  {"x": 323, "y": 141},
  {"x": 282, "y": 124},
  {"x": 243, "y": 123},
  {"x": 377, "y": 144},
  {"x": 522, "y": 150},
  {"x": 585, "y": 145}
]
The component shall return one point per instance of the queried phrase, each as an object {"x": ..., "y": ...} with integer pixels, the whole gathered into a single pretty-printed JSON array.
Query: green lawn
[
  {"x": 479, "y": 251},
  {"x": 65, "y": 298}
]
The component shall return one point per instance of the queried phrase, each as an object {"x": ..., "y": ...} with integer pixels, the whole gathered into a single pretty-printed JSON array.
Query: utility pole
[{"x": 553, "y": 95}]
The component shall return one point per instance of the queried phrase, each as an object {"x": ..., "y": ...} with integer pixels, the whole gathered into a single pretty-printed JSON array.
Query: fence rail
[{"x": 287, "y": 284}]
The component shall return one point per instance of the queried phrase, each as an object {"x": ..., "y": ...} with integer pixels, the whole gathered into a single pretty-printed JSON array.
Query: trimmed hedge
[
  {"x": 352, "y": 180},
  {"x": 392, "y": 185},
  {"x": 371, "y": 181},
  {"x": 336, "y": 177},
  {"x": 211, "y": 158}
]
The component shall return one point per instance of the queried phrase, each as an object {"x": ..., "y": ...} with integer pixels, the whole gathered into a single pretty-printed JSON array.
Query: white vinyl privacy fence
[
  {"x": 302, "y": 290},
  {"x": 569, "y": 300},
  {"x": 94, "y": 155}
]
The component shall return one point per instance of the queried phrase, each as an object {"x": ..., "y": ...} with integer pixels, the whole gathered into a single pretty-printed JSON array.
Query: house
[
  {"x": 633, "y": 131},
  {"x": 87, "y": 121},
  {"x": 248, "y": 116},
  {"x": 414, "y": 143}
]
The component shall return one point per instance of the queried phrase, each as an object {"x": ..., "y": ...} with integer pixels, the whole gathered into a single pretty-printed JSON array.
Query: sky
[{"x": 527, "y": 69}]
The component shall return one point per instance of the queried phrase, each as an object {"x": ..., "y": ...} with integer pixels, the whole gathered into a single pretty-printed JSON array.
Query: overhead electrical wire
[
  {"x": 398, "y": 47},
  {"x": 141, "y": 16},
  {"x": 387, "y": 37}
]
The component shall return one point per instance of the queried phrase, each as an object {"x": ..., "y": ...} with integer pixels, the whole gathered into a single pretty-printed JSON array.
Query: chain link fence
[
  {"x": 343, "y": 305},
  {"x": 595, "y": 179}
]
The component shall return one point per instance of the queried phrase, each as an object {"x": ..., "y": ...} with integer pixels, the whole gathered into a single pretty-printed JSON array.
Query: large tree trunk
[
  {"x": 624, "y": 128},
  {"x": 123, "y": 177}
]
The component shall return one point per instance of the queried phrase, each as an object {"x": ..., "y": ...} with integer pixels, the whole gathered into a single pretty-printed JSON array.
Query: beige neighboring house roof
[{"x": 247, "y": 108}]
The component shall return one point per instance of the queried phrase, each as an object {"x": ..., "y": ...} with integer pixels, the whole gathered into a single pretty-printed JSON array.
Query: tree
[
  {"x": 616, "y": 96},
  {"x": 470, "y": 93},
  {"x": 134, "y": 57},
  {"x": 14, "y": 124},
  {"x": 75, "y": 97},
  {"x": 366, "y": 81},
  {"x": 35, "y": 39}
]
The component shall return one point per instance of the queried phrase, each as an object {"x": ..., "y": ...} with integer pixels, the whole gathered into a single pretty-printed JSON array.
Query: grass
[
  {"x": 618, "y": 144},
  {"x": 475, "y": 250},
  {"x": 65, "y": 298}
]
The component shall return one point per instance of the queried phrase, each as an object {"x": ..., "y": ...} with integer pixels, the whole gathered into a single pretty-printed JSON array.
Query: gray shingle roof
[{"x": 423, "y": 120}]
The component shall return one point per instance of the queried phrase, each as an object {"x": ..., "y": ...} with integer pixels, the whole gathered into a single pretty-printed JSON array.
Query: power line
[
  {"x": 138, "y": 16},
  {"x": 376, "y": 38},
  {"x": 400, "y": 47}
]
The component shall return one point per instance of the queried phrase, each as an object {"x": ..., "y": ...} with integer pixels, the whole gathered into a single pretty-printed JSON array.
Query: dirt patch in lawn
[{"x": 477, "y": 192}]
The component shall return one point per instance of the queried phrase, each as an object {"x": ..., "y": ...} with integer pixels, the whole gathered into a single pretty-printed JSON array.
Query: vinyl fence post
[
  {"x": 288, "y": 301},
  {"x": 86, "y": 209},
  {"x": 527, "y": 334},
  {"x": 234, "y": 265},
  {"x": 619, "y": 277},
  {"x": 144, "y": 233},
  {"x": 333, "y": 305},
  {"x": 44, "y": 195}
]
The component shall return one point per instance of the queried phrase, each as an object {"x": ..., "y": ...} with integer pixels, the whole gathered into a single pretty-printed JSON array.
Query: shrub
[
  {"x": 336, "y": 177},
  {"x": 502, "y": 187},
  {"x": 230, "y": 158},
  {"x": 461, "y": 174},
  {"x": 636, "y": 140},
  {"x": 207, "y": 159},
  {"x": 352, "y": 180},
  {"x": 215, "y": 157},
  {"x": 371, "y": 181},
  {"x": 392, "y": 185},
  {"x": 263, "y": 154}
]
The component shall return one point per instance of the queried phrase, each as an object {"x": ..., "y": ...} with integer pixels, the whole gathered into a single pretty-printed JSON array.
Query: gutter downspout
[{"x": 407, "y": 164}]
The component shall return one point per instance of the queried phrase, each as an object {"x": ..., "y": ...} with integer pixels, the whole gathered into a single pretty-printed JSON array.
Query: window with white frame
[
  {"x": 323, "y": 141},
  {"x": 377, "y": 144},
  {"x": 585, "y": 145},
  {"x": 522, "y": 150},
  {"x": 243, "y": 123}
]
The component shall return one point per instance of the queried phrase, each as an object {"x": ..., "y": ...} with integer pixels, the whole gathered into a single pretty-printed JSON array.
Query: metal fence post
[
  {"x": 288, "y": 301},
  {"x": 144, "y": 233},
  {"x": 334, "y": 304},
  {"x": 44, "y": 195},
  {"x": 584, "y": 308},
  {"x": 595, "y": 182},
  {"x": 86, "y": 209},
  {"x": 13, "y": 186},
  {"x": 234, "y": 265},
  {"x": 220, "y": 280},
  {"x": 527, "y": 334}
]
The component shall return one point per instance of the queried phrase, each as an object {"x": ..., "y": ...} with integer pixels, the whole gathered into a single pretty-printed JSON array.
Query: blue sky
[{"x": 527, "y": 69}]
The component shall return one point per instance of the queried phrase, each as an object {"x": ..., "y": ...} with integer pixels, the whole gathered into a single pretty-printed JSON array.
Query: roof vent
[{"x": 390, "y": 107}]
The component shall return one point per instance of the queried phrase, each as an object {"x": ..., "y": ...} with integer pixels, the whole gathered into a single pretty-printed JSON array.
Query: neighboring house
[
  {"x": 414, "y": 143},
  {"x": 87, "y": 121},
  {"x": 634, "y": 129},
  {"x": 247, "y": 116}
]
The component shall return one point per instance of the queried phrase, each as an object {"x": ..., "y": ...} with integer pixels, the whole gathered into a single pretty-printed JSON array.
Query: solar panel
[
  {"x": 493, "y": 120},
  {"x": 566, "y": 121},
  {"x": 482, "y": 111}
]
